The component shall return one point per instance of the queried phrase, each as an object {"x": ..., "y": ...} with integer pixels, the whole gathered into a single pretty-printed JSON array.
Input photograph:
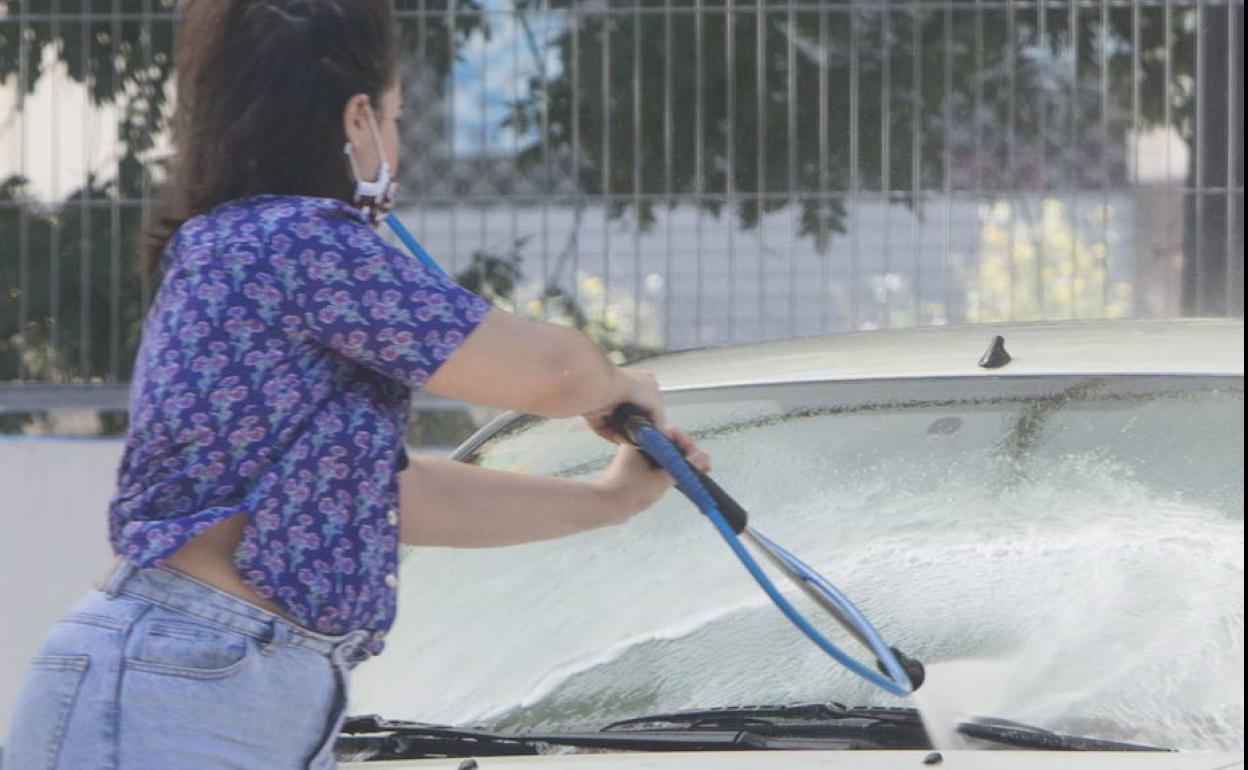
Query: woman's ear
[
  {"x": 364, "y": 159},
  {"x": 355, "y": 120}
]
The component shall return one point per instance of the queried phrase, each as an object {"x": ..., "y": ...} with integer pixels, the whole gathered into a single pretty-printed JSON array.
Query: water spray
[{"x": 897, "y": 673}]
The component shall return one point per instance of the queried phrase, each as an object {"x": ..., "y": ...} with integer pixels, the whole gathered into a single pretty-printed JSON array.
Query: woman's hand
[
  {"x": 632, "y": 485},
  {"x": 633, "y": 386}
]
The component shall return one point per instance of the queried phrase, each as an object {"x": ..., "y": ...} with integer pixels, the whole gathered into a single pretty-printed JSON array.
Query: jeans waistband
[{"x": 176, "y": 590}]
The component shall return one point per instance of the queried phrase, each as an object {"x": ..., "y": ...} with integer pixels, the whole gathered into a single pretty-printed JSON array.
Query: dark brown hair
[{"x": 262, "y": 85}]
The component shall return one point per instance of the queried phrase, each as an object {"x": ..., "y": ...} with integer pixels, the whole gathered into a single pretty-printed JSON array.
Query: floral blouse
[{"x": 273, "y": 377}]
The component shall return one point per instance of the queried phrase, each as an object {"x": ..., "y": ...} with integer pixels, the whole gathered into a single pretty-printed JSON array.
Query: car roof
[{"x": 1188, "y": 346}]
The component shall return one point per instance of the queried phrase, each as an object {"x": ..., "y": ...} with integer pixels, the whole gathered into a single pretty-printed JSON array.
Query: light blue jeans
[{"x": 159, "y": 671}]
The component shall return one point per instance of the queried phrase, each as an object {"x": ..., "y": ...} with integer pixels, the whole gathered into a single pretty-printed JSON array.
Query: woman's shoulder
[
  {"x": 265, "y": 220},
  {"x": 272, "y": 209},
  {"x": 259, "y": 218}
]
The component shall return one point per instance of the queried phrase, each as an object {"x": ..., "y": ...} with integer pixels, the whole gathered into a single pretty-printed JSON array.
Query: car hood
[{"x": 834, "y": 760}]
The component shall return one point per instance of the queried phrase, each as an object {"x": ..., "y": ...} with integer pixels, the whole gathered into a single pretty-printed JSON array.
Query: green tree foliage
[
  {"x": 84, "y": 251},
  {"x": 65, "y": 265},
  {"x": 72, "y": 247},
  {"x": 777, "y": 107}
]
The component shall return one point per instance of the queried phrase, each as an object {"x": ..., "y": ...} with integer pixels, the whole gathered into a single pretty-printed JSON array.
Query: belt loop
[
  {"x": 350, "y": 651},
  {"x": 281, "y": 635},
  {"x": 121, "y": 572}
]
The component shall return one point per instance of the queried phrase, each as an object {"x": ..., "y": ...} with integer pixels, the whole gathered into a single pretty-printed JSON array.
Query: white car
[{"x": 1053, "y": 525}]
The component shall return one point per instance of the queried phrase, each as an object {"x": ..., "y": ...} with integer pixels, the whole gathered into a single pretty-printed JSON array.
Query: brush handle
[{"x": 628, "y": 420}]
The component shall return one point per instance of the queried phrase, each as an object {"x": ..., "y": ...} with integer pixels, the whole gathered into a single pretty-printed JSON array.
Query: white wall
[{"x": 54, "y": 495}]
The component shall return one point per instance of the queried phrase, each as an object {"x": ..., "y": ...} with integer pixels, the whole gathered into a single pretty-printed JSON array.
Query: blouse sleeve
[{"x": 348, "y": 289}]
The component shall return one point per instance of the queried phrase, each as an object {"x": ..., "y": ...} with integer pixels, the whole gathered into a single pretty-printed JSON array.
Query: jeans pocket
[
  {"x": 186, "y": 648},
  {"x": 42, "y": 711}
]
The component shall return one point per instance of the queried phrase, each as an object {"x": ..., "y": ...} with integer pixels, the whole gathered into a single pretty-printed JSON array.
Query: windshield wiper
[
  {"x": 865, "y": 726},
  {"x": 372, "y": 738},
  {"x": 1024, "y": 736},
  {"x": 825, "y": 726},
  {"x": 896, "y": 727}
]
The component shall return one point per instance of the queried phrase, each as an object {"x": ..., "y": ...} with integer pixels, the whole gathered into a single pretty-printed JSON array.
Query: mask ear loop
[{"x": 374, "y": 198}]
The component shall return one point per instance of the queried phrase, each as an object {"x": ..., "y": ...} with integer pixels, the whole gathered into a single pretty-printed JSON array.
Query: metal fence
[{"x": 674, "y": 173}]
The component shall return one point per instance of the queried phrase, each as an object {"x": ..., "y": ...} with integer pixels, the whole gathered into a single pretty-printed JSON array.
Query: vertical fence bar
[
  {"x": 977, "y": 141},
  {"x": 23, "y": 212},
  {"x": 1072, "y": 162},
  {"x": 513, "y": 214},
  {"x": 1104, "y": 84},
  {"x": 855, "y": 173},
  {"x": 1233, "y": 67},
  {"x": 606, "y": 169},
  {"x": 547, "y": 186},
  {"x": 1167, "y": 116},
  {"x": 824, "y": 200},
  {"x": 145, "y": 43},
  {"x": 699, "y": 151},
  {"x": 791, "y": 106},
  {"x": 730, "y": 121},
  {"x": 886, "y": 166},
  {"x": 1168, "y": 77},
  {"x": 637, "y": 213},
  {"x": 56, "y": 365},
  {"x": 947, "y": 162},
  {"x": 145, "y": 195},
  {"x": 450, "y": 19},
  {"x": 145, "y": 211},
  {"x": 1198, "y": 130},
  {"x": 485, "y": 160},
  {"x": 761, "y": 188},
  {"x": 84, "y": 208},
  {"x": 115, "y": 283},
  {"x": 117, "y": 90},
  {"x": 916, "y": 165},
  {"x": 668, "y": 197},
  {"x": 422, "y": 60},
  {"x": 1136, "y": 78},
  {"x": 1042, "y": 103},
  {"x": 1011, "y": 65},
  {"x": 114, "y": 211},
  {"x": 574, "y": 21}
]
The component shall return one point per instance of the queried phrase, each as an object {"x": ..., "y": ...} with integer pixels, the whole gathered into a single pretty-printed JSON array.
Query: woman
[{"x": 264, "y": 488}]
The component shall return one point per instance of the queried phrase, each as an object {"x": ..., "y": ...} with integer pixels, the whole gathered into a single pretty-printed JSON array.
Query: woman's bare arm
[
  {"x": 448, "y": 503},
  {"x": 539, "y": 368}
]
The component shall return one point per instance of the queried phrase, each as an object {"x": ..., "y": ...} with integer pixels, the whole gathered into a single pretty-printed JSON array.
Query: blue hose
[
  {"x": 412, "y": 244},
  {"x": 668, "y": 455}
]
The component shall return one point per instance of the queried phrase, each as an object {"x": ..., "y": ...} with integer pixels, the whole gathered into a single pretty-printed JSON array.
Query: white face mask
[{"x": 375, "y": 198}]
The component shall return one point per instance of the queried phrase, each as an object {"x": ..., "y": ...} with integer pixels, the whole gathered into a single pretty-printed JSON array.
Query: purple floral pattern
[{"x": 273, "y": 378}]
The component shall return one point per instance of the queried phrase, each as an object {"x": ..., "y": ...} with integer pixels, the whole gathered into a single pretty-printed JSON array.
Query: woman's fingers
[
  {"x": 688, "y": 448},
  {"x": 641, "y": 389},
  {"x": 696, "y": 457}
]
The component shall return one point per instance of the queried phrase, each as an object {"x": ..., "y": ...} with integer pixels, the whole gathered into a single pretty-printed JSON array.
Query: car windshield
[{"x": 1069, "y": 548}]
